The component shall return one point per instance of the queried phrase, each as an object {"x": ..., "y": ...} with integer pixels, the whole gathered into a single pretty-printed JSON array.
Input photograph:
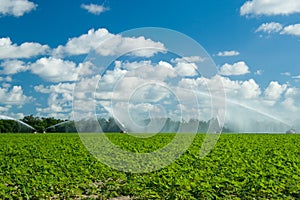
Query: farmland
[{"x": 241, "y": 166}]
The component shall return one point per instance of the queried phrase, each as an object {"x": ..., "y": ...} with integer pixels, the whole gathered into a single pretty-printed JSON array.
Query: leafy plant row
[{"x": 58, "y": 166}]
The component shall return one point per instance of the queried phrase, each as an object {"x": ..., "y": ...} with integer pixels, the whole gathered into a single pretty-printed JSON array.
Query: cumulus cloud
[
  {"x": 134, "y": 85},
  {"x": 94, "y": 8},
  {"x": 270, "y": 7},
  {"x": 59, "y": 100},
  {"x": 55, "y": 70},
  {"x": 296, "y": 77},
  {"x": 4, "y": 108},
  {"x": 292, "y": 96},
  {"x": 272, "y": 27},
  {"x": 160, "y": 71},
  {"x": 246, "y": 102},
  {"x": 274, "y": 91},
  {"x": 145, "y": 70},
  {"x": 290, "y": 105},
  {"x": 14, "y": 96},
  {"x": 228, "y": 53},
  {"x": 84, "y": 43},
  {"x": 12, "y": 67},
  {"x": 259, "y": 72},
  {"x": 239, "y": 68},
  {"x": 186, "y": 69},
  {"x": 16, "y": 8},
  {"x": 8, "y": 50},
  {"x": 6, "y": 79},
  {"x": 187, "y": 66},
  {"x": 291, "y": 30},
  {"x": 126, "y": 81},
  {"x": 250, "y": 89},
  {"x": 131, "y": 84},
  {"x": 292, "y": 92},
  {"x": 107, "y": 44},
  {"x": 234, "y": 89},
  {"x": 58, "y": 107},
  {"x": 60, "y": 97},
  {"x": 60, "y": 88},
  {"x": 17, "y": 115},
  {"x": 190, "y": 59}
]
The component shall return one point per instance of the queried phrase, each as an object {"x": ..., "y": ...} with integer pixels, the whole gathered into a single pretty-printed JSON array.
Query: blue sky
[{"x": 254, "y": 43}]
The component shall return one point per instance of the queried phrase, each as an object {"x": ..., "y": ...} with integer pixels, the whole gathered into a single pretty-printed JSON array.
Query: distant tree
[
  {"x": 112, "y": 126},
  {"x": 89, "y": 125},
  {"x": 40, "y": 124}
]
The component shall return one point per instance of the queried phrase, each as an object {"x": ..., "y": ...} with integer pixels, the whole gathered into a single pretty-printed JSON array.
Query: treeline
[
  {"x": 110, "y": 125},
  {"x": 11, "y": 126},
  {"x": 41, "y": 124},
  {"x": 38, "y": 124}
]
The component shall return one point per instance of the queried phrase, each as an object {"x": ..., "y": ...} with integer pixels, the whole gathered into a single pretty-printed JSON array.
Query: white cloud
[
  {"x": 94, "y": 8},
  {"x": 246, "y": 102},
  {"x": 13, "y": 67},
  {"x": 289, "y": 104},
  {"x": 250, "y": 89},
  {"x": 83, "y": 44},
  {"x": 291, "y": 97},
  {"x": 259, "y": 72},
  {"x": 291, "y": 30},
  {"x": 129, "y": 81},
  {"x": 16, "y": 8},
  {"x": 270, "y": 7},
  {"x": 228, "y": 53},
  {"x": 107, "y": 44},
  {"x": 17, "y": 115},
  {"x": 274, "y": 91},
  {"x": 15, "y": 96},
  {"x": 7, "y": 79},
  {"x": 9, "y": 115},
  {"x": 55, "y": 70},
  {"x": 147, "y": 70},
  {"x": 239, "y": 68},
  {"x": 186, "y": 69},
  {"x": 186, "y": 66},
  {"x": 6, "y": 85},
  {"x": 60, "y": 88},
  {"x": 59, "y": 100},
  {"x": 241, "y": 90},
  {"x": 133, "y": 65},
  {"x": 58, "y": 70},
  {"x": 272, "y": 27},
  {"x": 119, "y": 84},
  {"x": 130, "y": 85},
  {"x": 296, "y": 77},
  {"x": 286, "y": 74},
  {"x": 5, "y": 108},
  {"x": 8, "y": 50},
  {"x": 61, "y": 95},
  {"x": 54, "y": 105},
  {"x": 190, "y": 59},
  {"x": 292, "y": 92}
]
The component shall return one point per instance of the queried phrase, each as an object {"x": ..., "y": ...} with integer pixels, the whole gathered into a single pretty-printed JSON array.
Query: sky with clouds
[{"x": 43, "y": 45}]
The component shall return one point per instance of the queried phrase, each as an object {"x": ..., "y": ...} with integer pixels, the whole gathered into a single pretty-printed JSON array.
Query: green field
[{"x": 58, "y": 166}]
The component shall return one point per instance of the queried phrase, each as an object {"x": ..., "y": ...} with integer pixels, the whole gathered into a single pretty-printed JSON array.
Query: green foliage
[
  {"x": 110, "y": 125},
  {"x": 40, "y": 124},
  {"x": 57, "y": 166},
  {"x": 11, "y": 126}
]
